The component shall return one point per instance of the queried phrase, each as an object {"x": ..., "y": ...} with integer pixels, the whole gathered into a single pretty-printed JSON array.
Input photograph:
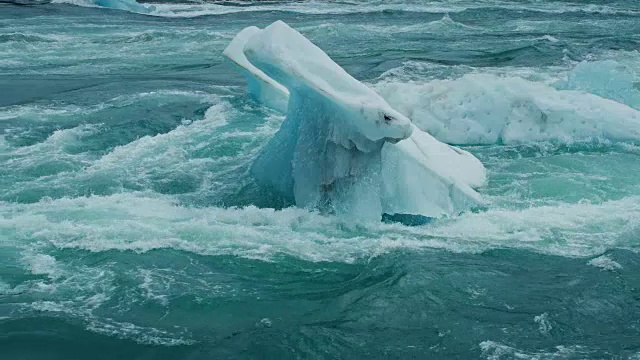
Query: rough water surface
[{"x": 130, "y": 226}]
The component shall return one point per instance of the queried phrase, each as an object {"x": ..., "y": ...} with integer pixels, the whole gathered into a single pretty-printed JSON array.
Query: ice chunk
[
  {"x": 342, "y": 146},
  {"x": 487, "y": 109},
  {"x": 423, "y": 176},
  {"x": 610, "y": 79},
  {"x": 293, "y": 61},
  {"x": 331, "y": 139},
  {"x": 259, "y": 86}
]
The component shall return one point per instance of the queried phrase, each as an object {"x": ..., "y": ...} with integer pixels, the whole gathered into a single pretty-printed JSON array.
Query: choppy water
[{"x": 130, "y": 227}]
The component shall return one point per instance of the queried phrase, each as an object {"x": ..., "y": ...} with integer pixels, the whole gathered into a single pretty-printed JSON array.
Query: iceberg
[
  {"x": 423, "y": 176},
  {"x": 260, "y": 87},
  {"x": 490, "y": 109},
  {"x": 342, "y": 148}
]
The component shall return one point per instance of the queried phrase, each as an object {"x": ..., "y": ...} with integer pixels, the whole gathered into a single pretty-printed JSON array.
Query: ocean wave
[
  {"x": 82, "y": 308},
  {"x": 24, "y": 121},
  {"x": 446, "y": 25},
  {"x": 197, "y": 154},
  {"x": 27, "y": 38},
  {"x": 605, "y": 262},
  {"x": 493, "y": 350},
  {"x": 141, "y": 222},
  {"x": 127, "y": 5},
  {"x": 191, "y": 9},
  {"x": 44, "y": 292}
]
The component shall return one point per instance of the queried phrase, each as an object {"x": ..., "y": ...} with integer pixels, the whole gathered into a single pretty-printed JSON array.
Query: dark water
[{"x": 130, "y": 227}]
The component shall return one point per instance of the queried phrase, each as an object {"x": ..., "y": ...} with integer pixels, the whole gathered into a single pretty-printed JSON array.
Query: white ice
[
  {"x": 259, "y": 86},
  {"x": 423, "y": 176},
  {"x": 342, "y": 146},
  {"x": 488, "y": 109}
]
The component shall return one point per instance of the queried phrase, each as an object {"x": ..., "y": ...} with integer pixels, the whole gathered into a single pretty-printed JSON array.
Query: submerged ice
[{"x": 342, "y": 147}]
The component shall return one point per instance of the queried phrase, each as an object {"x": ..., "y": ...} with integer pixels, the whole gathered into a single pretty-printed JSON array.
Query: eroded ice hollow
[{"x": 341, "y": 147}]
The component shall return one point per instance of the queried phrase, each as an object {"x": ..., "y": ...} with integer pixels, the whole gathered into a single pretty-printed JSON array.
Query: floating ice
[
  {"x": 327, "y": 152},
  {"x": 487, "y": 109},
  {"x": 259, "y": 86},
  {"x": 609, "y": 79},
  {"x": 423, "y": 176},
  {"x": 342, "y": 147}
]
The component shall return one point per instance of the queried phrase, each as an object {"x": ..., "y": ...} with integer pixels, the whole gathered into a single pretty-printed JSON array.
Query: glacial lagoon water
[{"x": 130, "y": 226}]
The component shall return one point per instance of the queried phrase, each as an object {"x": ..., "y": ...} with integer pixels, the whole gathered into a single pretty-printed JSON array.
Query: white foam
[
  {"x": 128, "y": 5},
  {"x": 51, "y": 156},
  {"x": 120, "y": 329},
  {"x": 93, "y": 288},
  {"x": 150, "y": 286},
  {"x": 40, "y": 112},
  {"x": 42, "y": 264},
  {"x": 308, "y": 7},
  {"x": 142, "y": 222},
  {"x": 83, "y": 3},
  {"x": 446, "y": 25},
  {"x": 322, "y": 7},
  {"x": 493, "y": 350},
  {"x": 140, "y": 334},
  {"x": 149, "y": 148},
  {"x": 543, "y": 321},
  {"x": 550, "y": 38},
  {"x": 605, "y": 262},
  {"x": 138, "y": 162},
  {"x": 57, "y": 112}
]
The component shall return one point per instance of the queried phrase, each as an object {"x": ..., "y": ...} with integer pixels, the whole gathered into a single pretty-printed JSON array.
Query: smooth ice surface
[
  {"x": 422, "y": 175},
  {"x": 292, "y": 60},
  {"x": 488, "y": 109},
  {"x": 259, "y": 86},
  {"x": 329, "y": 149}
]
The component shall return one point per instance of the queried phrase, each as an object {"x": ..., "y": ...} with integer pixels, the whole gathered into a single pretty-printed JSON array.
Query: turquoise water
[{"x": 131, "y": 228}]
